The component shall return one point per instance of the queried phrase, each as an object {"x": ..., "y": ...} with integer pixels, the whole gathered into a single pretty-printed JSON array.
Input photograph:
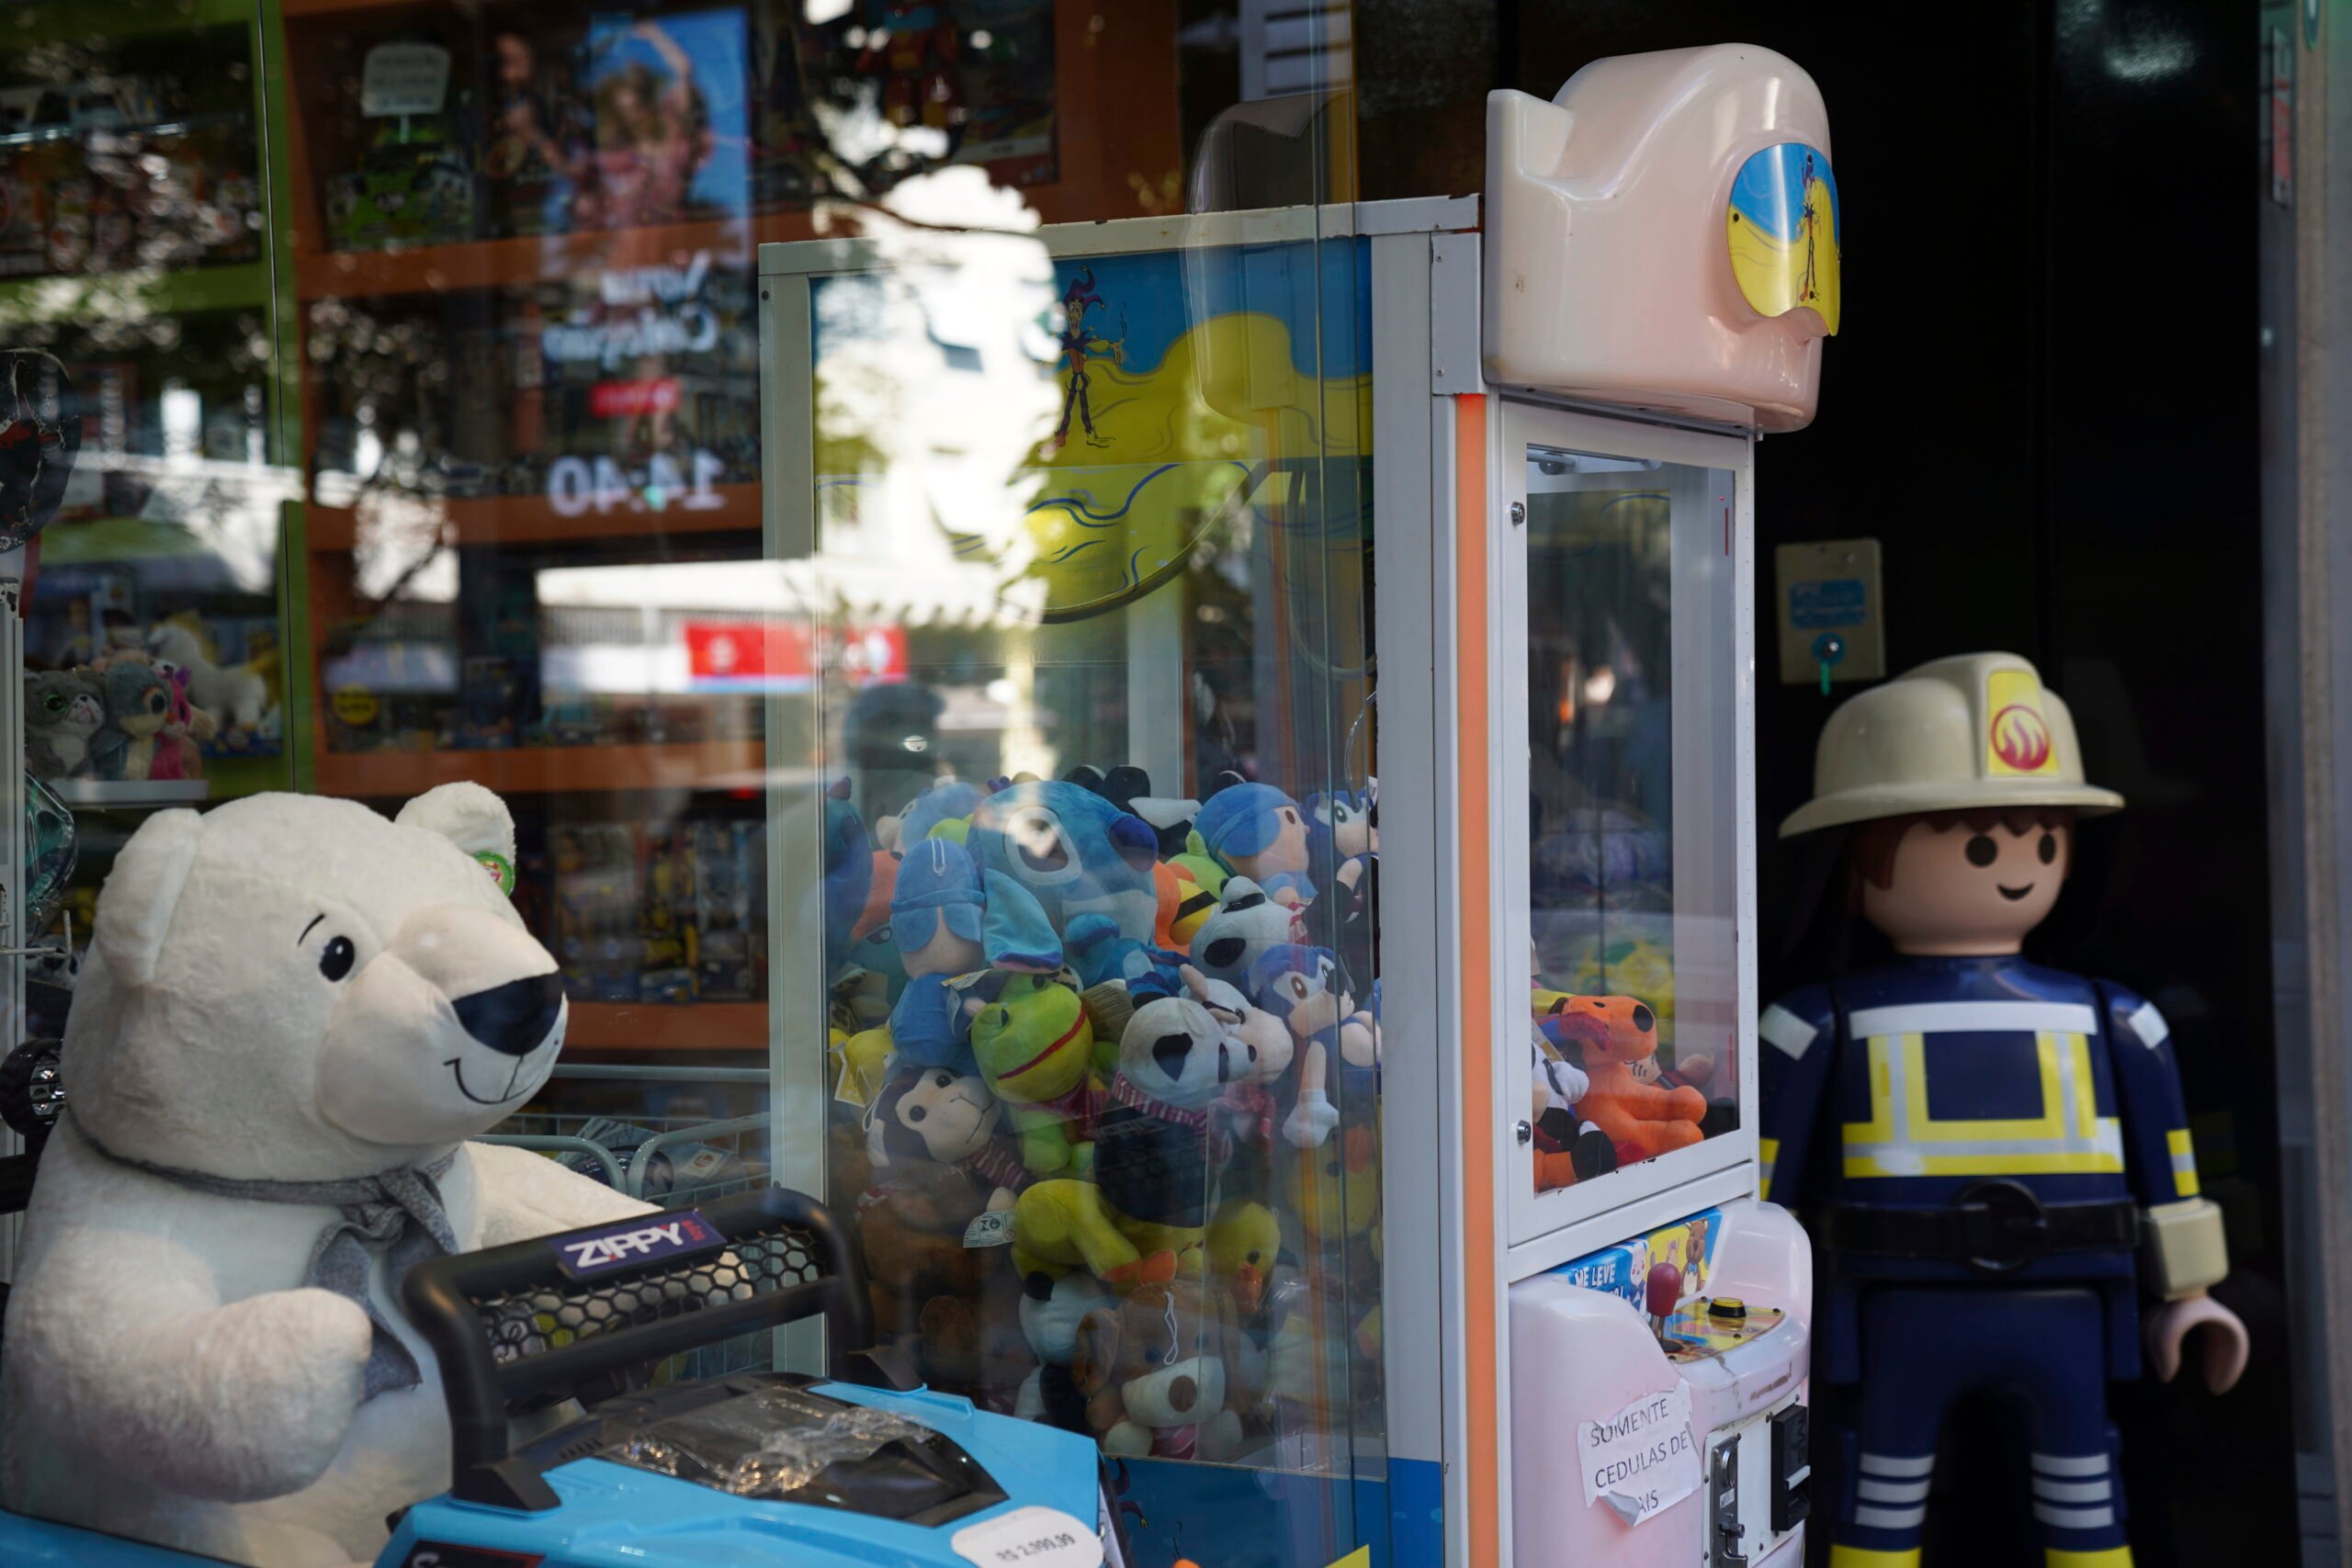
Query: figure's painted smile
[
  {"x": 458, "y": 1071},
  {"x": 2013, "y": 893}
]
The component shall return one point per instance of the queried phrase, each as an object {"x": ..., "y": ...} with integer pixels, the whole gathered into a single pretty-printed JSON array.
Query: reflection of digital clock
[{"x": 578, "y": 486}]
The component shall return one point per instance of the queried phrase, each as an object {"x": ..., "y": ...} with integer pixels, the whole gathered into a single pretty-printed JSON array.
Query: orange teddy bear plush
[{"x": 1612, "y": 1033}]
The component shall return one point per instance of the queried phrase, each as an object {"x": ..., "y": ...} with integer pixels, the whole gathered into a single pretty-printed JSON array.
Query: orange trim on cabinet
[{"x": 1481, "y": 1267}]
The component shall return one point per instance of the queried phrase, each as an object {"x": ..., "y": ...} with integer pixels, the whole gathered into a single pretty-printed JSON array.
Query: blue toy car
[{"x": 750, "y": 1469}]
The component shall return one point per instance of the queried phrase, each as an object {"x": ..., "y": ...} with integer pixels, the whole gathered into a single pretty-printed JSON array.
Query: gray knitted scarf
[{"x": 394, "y": 1214}]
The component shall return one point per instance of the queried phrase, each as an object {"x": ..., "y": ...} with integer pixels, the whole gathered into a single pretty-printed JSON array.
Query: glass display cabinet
[{"x": 1078, "y": 827}]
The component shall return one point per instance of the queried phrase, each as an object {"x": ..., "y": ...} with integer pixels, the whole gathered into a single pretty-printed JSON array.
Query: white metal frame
[{"x": 1551, "y": 1228}]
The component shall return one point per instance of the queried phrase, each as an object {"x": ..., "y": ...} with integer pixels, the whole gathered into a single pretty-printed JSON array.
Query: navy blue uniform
[{"x": 1900, "y": 1090}]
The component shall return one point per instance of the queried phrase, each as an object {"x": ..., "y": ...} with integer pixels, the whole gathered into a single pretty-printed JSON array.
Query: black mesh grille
[{"x": 534, "y": 1321}]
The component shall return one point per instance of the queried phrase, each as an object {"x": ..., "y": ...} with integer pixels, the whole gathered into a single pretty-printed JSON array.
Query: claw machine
[{"x": 1265, "y": 831}]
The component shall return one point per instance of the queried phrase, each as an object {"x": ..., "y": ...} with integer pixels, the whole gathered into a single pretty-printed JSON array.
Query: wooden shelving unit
[
  {"x": 650, "y": 1026},
  {"x": 488, "y": 264},
  {"x": 527, "y": 769}
]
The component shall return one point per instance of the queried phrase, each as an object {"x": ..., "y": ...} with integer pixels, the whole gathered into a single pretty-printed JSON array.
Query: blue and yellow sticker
[{"x": 1783, "y": 225}]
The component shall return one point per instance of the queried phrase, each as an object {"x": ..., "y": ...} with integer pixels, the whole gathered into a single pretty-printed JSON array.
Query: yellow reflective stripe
[
  {"x": 2112, "y": 1557},
  {"x": 1768, "y": 1151},
  {"x": 2084, "y": 1162},
  {"x": 2050, "y": 1126},
  {"x": 2078, "y": 1052},
  {"x": 1880, "y": 1128},
  {"x": 1863, "y": 1557},
  {"x": 2184, "y": 1162}
]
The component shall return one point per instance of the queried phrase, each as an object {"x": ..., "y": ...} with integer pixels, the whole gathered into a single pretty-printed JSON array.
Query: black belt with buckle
[{"x": 1996, "y": 1226}]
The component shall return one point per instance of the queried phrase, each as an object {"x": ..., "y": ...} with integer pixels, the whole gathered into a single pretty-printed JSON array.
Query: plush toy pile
[
  {"x": 129, "y": 715},
  {"x": 1106, "y": 1076}
]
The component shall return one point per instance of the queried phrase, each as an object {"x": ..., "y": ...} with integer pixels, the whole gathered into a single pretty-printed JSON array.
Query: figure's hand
[
  {"x": 1311, "y": 1120},
  {"x": 2227, "y": 1348}
]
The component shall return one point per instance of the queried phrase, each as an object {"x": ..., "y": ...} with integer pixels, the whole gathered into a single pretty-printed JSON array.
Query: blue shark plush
[
  {"x": 1016, "y": 934},
  {"x": 937, "y": 884},
  {"x": 1074, "y": 851}
]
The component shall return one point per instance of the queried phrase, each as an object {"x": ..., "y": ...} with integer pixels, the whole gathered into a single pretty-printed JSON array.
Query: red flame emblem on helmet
[{"x": 2021, "y": 738}]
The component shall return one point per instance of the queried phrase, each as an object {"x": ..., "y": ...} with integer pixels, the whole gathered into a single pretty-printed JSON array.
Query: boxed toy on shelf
[
  {"x": 144, "y": 157},
  {"x": 657, "y": 912}
]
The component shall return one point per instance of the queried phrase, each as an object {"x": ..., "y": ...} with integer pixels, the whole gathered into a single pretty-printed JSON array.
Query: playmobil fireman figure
[{"x": 1982, "y": 1143}]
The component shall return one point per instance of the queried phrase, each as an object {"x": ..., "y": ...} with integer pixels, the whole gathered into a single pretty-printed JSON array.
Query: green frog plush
[{"x": 1035, "y": 1049}]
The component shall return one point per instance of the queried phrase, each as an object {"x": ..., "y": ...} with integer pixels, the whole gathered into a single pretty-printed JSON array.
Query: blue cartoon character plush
[
  {"x": 1101, "y": 954},
  {"x": 1259, "y": 832},
  {"x": 936, "y": 915},
  {"x": 947, "y": 805},
  {"x": 849, "y": 869},
  {"x": 1073, "y": 851},
  {"x": 1342, "y": 834},
  {"x": 951, "y": 922},
  {"x": 1306, "y": 987}
]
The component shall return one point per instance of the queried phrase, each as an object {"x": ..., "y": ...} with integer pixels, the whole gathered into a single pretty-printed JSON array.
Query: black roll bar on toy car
[{"x": 511, "y": 1322}]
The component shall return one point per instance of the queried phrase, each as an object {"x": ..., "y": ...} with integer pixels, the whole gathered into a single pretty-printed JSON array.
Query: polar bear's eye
[{"x": 335, "y": 961}]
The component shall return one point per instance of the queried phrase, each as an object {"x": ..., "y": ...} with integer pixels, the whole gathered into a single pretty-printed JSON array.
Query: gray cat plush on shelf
[{"x": 63, "y": 708}]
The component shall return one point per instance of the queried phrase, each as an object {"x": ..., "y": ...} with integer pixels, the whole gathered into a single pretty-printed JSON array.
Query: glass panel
[
  {"x": 1101, "y": 849},
  {"x": 138, "y": 340},
  {"x": 1633, "y": 880}
]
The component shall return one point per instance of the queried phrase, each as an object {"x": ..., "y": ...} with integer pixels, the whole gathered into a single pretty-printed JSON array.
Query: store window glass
[
  {"x": 1632, "y": 878},
  {"x": 412, "y": 374}
]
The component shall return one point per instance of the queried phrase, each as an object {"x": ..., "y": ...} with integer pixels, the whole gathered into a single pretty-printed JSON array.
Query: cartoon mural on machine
[
  {"x": 1150, "y": 436},
  {"x": 1784, "y": 235}
]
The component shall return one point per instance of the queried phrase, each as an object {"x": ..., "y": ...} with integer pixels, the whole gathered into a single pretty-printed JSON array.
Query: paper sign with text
[
  {"x": 1029, "y": 1538},
  {"x": 1643, "y": 1458}
]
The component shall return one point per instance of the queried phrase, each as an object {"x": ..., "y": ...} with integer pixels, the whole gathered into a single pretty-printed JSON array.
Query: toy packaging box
[{"x": 655, "y": 913}]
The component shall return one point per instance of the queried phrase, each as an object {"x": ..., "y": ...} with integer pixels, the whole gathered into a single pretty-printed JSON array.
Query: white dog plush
[{"x": 294, "y": 1015}]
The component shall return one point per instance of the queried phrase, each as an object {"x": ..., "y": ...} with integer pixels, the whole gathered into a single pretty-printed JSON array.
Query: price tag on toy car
[
  {"x": 992, "y": 1229},
  {"x": 1643, "y": 1459},
  {"x": 1029, "y": 1538}
]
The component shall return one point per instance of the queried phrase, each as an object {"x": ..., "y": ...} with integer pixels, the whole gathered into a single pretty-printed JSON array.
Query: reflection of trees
[{"x": 931, "y": 398}]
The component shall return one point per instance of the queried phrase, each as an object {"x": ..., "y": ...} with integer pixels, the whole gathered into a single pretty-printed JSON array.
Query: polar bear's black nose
[{"x": 513, "y": 1019}]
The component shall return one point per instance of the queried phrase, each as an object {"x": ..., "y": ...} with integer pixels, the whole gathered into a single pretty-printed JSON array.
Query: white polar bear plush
[{"x": 294, "y": 1014}]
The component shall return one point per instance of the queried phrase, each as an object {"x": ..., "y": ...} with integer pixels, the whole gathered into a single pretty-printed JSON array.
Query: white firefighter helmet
[{"x": 1960, "y": 734}]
